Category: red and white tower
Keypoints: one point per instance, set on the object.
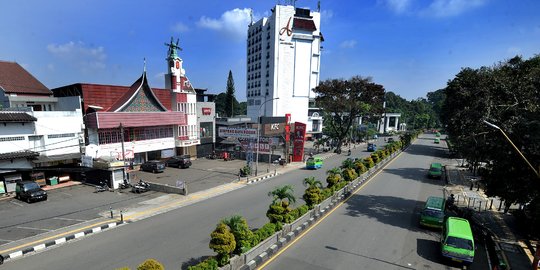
(184, 99)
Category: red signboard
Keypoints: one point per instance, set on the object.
(298, 142)
(206, 111)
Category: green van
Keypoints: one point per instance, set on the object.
(433, 213)
(457, 243)
(435, 170)
(314, 163)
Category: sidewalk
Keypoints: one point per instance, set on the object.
(488, 212)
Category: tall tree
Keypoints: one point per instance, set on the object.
(230, 100)
(343, 101)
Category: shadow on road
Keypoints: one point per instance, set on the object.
(368, 257)
(386, 209)
(439, 151)
(429, 250)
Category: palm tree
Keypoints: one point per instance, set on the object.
(310, 182)
(281, 193)
(334, 171)
(347, 164)
(240, 230)
(312, 195)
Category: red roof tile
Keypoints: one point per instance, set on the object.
(15, 79)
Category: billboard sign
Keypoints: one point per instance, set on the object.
(225, 132)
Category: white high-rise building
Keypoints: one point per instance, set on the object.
(283, 61)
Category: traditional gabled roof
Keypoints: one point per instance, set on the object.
(139, 98)
(15, 79)
(16, 117)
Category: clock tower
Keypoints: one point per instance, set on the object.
(183, 99)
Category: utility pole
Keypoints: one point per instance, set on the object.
(123, 151)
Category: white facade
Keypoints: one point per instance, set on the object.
(283, 61)
(56, 136)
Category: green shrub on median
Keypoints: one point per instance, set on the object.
(150, 264)
(208, 264)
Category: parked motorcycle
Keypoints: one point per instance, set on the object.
(141, 187)
(125, 184)
(101, 187)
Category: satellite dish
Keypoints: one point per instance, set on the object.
(93, 150)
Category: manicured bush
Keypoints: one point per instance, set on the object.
(312, 195)
(123, 268)
(265, 231)
(302, 210)
(360, 168)
(150, 264)
(223, 243)
(369, 163)
(375, 158)
(327, 192)
(208, 264)
(349, 174)
(276, 213)
(334, 176)
(279, 208)
(242, 234)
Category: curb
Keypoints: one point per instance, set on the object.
(58, 241)
(251, 181)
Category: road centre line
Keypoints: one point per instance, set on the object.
(325, 216)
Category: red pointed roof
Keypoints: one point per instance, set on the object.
(138, 88)
(17, 80)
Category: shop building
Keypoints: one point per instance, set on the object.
(39, 133)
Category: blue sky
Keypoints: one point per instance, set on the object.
(411, 47)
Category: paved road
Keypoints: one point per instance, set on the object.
(377, 228)
(180, 236)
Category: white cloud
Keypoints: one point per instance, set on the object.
(180, 28)
(348, 44)
(232, 23)
(79, 55)
(448, 8)
(397, 6)
(50, 67)
(327, 14)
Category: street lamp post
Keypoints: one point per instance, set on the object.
(536, 260)
(258, 135)
(515, 147)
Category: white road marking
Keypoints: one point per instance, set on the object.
(70, 219)
(14, 202)
(30, 228)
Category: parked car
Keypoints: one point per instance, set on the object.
(29, 191)
(183, 161)
(154, 166)
(371, 147)
(390, 140)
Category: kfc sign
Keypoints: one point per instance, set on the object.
(206, 111)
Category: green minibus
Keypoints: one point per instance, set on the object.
(457, 243)
(435, 170)
(433, 213)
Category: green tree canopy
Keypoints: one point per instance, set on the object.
(343, 101)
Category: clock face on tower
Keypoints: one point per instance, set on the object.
(177, 66)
